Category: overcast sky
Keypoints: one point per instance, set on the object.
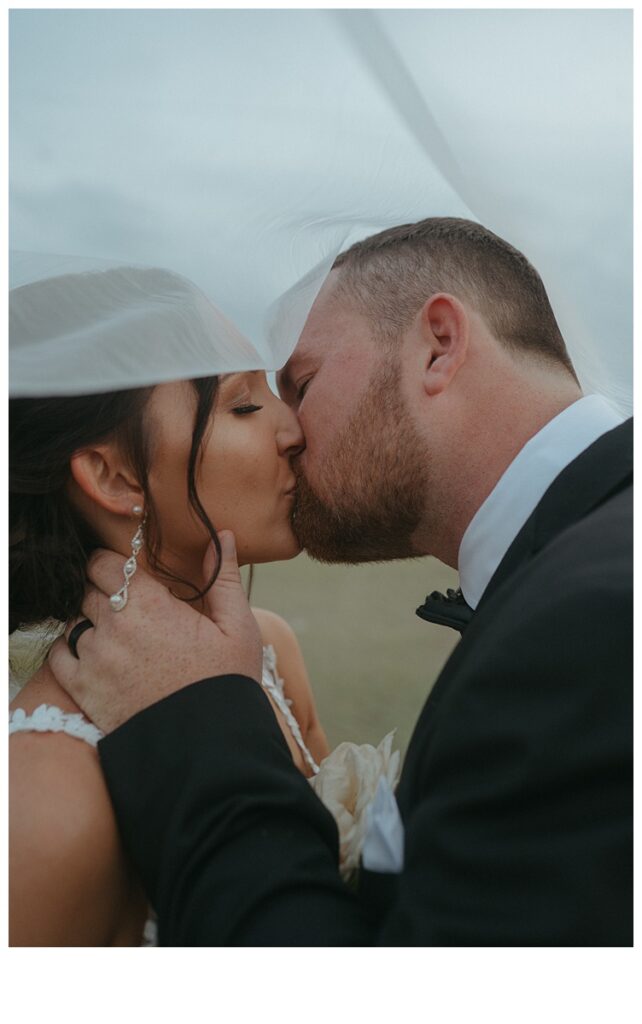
(237, 147)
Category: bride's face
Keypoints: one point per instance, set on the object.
(244, 479)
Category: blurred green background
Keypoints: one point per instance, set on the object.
(371, 660)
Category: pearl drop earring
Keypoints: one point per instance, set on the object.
(119, 599)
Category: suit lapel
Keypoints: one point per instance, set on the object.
(599, 472)
(595, 475)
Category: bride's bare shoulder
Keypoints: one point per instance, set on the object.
(278, 633)
(68, 877)
(273, 627)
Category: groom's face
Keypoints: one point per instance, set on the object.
(361, 477)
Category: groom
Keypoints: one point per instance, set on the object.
(442, 416)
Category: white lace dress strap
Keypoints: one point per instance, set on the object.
(49, 718)
(275, 687)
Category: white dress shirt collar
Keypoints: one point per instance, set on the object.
(497, 522)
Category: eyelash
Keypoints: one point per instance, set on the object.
(245, 410)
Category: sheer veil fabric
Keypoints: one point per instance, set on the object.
(245, 149)
(86, 327)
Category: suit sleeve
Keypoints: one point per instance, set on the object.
(232, 845)
(517, 809)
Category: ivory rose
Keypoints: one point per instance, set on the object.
(346, 783)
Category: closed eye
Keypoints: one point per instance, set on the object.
(245, 410)
(301, 388)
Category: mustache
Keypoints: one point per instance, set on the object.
(300, 479)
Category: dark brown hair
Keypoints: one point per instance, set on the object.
(391, 274)
(49, 542)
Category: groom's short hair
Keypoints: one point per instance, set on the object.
(392, 273)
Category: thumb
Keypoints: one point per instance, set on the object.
(225, 602)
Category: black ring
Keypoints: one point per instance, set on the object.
(76, 633)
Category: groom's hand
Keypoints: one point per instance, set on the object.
(156, 644)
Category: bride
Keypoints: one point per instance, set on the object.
(152, 472)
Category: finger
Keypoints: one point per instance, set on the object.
(105, 570)
(78, 630)
(210, 562)
(63, 665)
(95, 604)
(225, 601)
(229, 571)
(69, 625)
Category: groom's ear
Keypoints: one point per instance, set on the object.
(103, 476)
(445, 327)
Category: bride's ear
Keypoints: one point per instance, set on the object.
(103, 476)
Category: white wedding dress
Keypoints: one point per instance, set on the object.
(347, 781)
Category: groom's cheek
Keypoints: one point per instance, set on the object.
(322, 417)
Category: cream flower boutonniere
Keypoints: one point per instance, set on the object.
(346, 783)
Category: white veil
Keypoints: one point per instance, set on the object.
(83, 326)
(245, 149)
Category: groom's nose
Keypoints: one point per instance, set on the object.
(290, 438)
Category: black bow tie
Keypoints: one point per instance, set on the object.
(449, 609)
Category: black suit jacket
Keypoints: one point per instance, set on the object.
(516, 793)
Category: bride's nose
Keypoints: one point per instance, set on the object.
(290, 438)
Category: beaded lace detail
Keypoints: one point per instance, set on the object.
(48, 718)
(275, 687)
